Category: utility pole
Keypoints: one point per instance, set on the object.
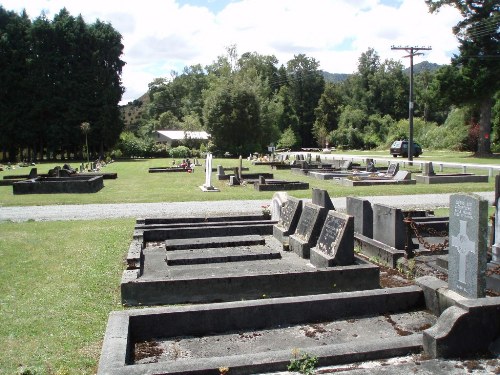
(412, 51)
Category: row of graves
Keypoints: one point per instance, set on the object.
(347, 173)
(246, 292)
(58, 180)
(261, 181)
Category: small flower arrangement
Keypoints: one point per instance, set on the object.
(266, 211)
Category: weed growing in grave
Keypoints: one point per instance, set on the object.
(304, 364)
(357, 249)
(375, 259)
(223, 370)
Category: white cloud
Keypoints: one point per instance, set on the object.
(160, 36)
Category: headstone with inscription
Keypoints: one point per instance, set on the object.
(388, 226)
(290, 214)
(467, 255)
(310, 223)
(335, 246)
(392, 169)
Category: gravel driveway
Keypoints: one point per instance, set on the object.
(187, 209)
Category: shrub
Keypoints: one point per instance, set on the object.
(180, 152)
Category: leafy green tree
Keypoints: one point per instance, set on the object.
(306, 85)
(288, 140)
(327, 113)
(475, 72)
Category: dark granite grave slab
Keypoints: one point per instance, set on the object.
(289, 219)
(204, 242)
(277, 185)
(58, 185)
(308, 229)
(221, 255)
(335, 246)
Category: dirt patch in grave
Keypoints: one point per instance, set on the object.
(149, 350)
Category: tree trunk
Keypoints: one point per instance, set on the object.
(484, 141)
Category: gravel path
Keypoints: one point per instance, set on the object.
(187, 209)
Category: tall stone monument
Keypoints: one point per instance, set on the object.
(207, 186)
(468, 234)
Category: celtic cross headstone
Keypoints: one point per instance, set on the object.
(468, 245)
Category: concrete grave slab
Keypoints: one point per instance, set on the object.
(204, 242)
(338, 328)
(221, 255)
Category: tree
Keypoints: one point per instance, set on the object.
(306, 85)
(476, 70)
(327, 113)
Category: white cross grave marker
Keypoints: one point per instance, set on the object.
(464, 246)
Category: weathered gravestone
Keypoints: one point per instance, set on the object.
(277, 204)
(287, 223)
(310, 223)
(361, 210)
(392, 169)
(495, 248)
(335, 246)
(428, 169)
(468, 245)
(388, 226)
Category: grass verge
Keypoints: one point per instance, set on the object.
(59, 282)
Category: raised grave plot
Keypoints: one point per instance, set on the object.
(261, 335)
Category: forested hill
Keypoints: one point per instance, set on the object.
(132, 111)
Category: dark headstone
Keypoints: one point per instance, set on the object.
(467, 255)
(362, 211)
(64, 173)
(308, 229)
(262, 180)
(233, 181)
(335, 246)
(287, 224)
(33, 173)
(321, 198)
(370, 166)
(392, 169)
(388, 226)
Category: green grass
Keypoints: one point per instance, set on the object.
(135, 185)
(59, 281)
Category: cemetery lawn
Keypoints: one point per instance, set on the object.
(59, 282)
(135, 185)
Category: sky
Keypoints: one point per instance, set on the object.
(161, 36)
